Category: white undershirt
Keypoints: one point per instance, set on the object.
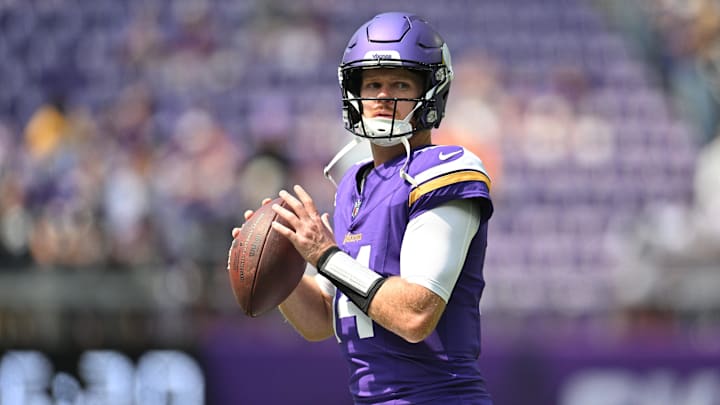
(434, 247)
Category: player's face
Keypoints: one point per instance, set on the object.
(389, 83)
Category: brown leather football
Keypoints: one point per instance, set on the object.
(263, 266)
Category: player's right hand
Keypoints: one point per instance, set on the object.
(307, 229)
(247, 214)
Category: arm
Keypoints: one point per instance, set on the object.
(406, 309)
(309, 309)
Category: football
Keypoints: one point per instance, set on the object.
(263, 266)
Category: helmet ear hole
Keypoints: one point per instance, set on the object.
(431, 116)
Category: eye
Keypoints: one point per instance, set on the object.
(403, 85)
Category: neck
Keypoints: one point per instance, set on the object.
(382, 154)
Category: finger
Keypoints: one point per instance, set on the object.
(248, 214)
(284, 231)
(286, 214)
(265, 201)
(306, 200)
(293, 203)
(326, 220)
(235, 232)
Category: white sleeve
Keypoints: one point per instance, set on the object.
(436, 243)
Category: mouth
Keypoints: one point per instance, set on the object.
(383, 115)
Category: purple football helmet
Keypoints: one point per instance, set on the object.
(396, 40)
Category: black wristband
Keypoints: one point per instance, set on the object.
(357, 282)
(325, 256)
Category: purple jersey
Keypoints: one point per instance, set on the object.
(370, 226)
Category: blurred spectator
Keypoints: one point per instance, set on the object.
(130, 120)
(593, 141)
(46, 129)
(546, 130)
(143, 39)
(132, 240)
(15, 220)
(194, 29)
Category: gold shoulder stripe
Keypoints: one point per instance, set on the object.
(451, 178)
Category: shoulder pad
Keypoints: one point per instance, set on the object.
(439, 161)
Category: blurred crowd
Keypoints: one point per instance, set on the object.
(119, 158)
(135, 133)
(674, 248)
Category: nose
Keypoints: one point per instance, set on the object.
(383, 92)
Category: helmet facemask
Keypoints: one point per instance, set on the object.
(383, 131)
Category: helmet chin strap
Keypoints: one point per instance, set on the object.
(405, 176)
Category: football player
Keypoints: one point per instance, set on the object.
(400, 275)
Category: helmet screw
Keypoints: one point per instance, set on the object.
(431, 116)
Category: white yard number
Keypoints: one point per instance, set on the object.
(346, 308)
(110, 378)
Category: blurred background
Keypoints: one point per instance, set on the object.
(135, 133)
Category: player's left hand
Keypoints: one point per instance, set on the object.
(311, 233)
(248, 213)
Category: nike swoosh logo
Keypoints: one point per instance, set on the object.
(446, 156)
